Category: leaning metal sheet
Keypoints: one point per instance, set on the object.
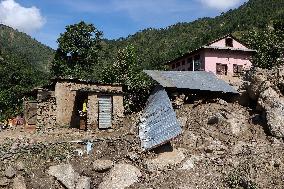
(158, 123)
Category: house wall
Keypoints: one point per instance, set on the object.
(187, 65)
(222, 43)
(226, 57)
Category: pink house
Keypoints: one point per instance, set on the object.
(224, 56)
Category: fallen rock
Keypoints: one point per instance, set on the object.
(273, 106)
(65, 174)
(10, 172)
(217, 118)
(19, 182)
(102, 165)
(84, 183)
(166, 159)
(4, 182)
(121, 176)
(216, 147)
(20, 166)
(190, 163)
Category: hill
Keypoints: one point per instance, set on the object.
(23, 46)
(155, 46)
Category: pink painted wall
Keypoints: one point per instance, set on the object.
(229, 58)
(222, 43)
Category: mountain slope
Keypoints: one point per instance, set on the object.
(24, 47)
(155, 46)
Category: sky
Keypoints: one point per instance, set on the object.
(44, 20)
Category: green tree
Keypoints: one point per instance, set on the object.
(126, 70)
(18, 77)
(269, 44)
(78, 51)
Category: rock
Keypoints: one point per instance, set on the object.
(84, 183)
(133, 156)
(190, 163)
(10, 172)
(121, 176)
(20, 166)
(216, 147)
(273, 106)
(217, 118)
(102, 165)
(65, 174)
(4, 182)
(223, 102)
(19, 182)
(166, 159)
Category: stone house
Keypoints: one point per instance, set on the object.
(61, 104)
(224, 56)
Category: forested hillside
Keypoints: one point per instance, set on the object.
(25, 48)
(155, 46)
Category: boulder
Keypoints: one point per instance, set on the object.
(10, 172)
(121, 176)
(65, 174)
(19, 182)
(189, 164)
(166, 159)
(84, 183)
(273, 105)
(4, 182)
(215, 119)
(102, 165)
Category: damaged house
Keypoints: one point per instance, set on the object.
(75, 103)
(158, 123)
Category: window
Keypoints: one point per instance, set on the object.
(229, 42)
(237, 69)
(221, 69)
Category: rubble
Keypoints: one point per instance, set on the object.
(10, 172)
(4, 182)
(84, 183)
(19, 182)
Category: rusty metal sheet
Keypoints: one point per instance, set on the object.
(158, 123)
(192, 80)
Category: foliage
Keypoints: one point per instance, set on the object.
(78, 50)
(25, 47)
(269, 44)
(18, 77)
(126, 70)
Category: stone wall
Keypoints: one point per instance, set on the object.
(46, 109)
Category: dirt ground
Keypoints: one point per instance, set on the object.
(223, 145)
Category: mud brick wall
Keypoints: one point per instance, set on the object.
(65, 94)
(46, 109)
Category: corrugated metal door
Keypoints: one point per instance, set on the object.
(105, 112)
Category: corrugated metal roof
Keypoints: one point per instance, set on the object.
(229, 48)
(197, 80)
(158, 123)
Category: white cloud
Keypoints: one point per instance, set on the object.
(221, 4)
(24, 19)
